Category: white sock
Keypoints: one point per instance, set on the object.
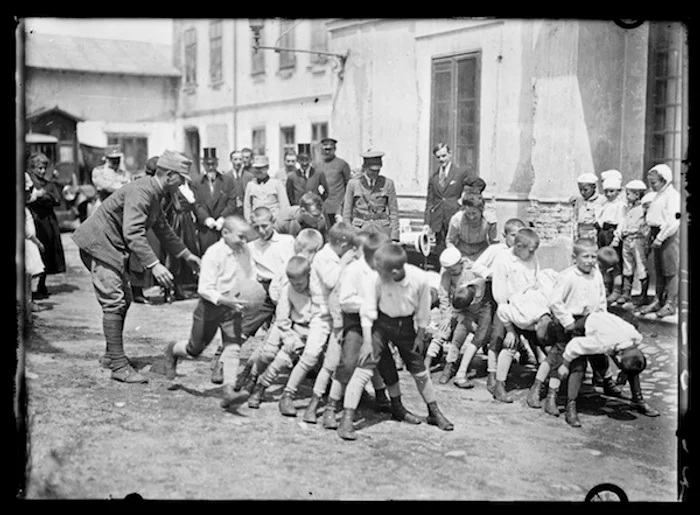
(180, 349)
(542, 372)
(492, 361)
(469, 351)
(230, 358)
(425, 386)
(337, 390)
(321, 383)
(353, 392)
(554, 383)
(505, 358)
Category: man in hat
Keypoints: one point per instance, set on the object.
(663, 218)
(110, 176)
(115, 230)
(305, 178)
(370, 200)
(291, 165)
(445, 187)
(264, 191)
(214, 200)
(241, 178)
(307, 215)
(337, 173)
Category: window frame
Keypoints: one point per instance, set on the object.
(453, 123)
(319, 130)
(255, 146)
(257, 59)
(129, 142)
(284, 146)
(318, 27)
(190, 49)
(287, 60)
(216, 61)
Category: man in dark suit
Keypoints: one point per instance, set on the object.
(241, 178)
(445, 187)
(306, 177)
(118, 228)
(215, 199)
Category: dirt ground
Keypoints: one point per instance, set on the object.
(94, 438)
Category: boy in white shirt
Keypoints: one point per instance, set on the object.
(225, 291)
(610, 217)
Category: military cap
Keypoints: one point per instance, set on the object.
(372, 157)
(329, 140)
(175, 162)
(261, 161)
(113, 151)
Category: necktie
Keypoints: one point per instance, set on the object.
(441, 178)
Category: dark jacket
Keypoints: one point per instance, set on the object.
(297, 185)
(220, 203)
(442, 203)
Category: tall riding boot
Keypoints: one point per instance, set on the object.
(436, 418)
(399, 412)
(286, 405)
(550, 403)
(626, 290)
(533, 396)
(346, 430)
(310, 413)
(329, 421)
(500, 393)
(571, 415)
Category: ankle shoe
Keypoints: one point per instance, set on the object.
(400, 413)
(436, 418)
(106, 362)
(610, 388)
(231, 397)
(286, 405)
(533, 396)
(170, 361)
(491, 382)
(256, 397)
(571, 416)
(550, 403)
(642, 407)
(448, 373)
(651, 308)
(345, 429)
(310, 413)
(666, 311)
(217, 373)
(329, 420)
(127, 374)
(382, 401)
(621, 378)
(243, 376)
(500, 394)
(463, 383)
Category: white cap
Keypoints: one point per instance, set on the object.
(612, 184)
(587, 178)
(450, 256)
(664, 172)
(611, 174)
(636, 184)
(648, 197)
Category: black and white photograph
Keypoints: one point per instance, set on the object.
(436, 259)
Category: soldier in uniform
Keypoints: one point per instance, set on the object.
(370, 199)
(111, 176)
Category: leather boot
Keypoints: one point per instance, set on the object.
(651, 308)
(491, 382)
(382, 401)
(243, 376)
(614, 294)
(610, 388)
(400, 413)
(256, 397)
(329, 421)
(626, 291)
(643, 296)
(346, 430)
(171, 361)
(310, 416)
(500, 393)
(448, 373)
(571, 415)
(533, 396)
(550, 403)
(286, 405)
(639, 404)
(621, 378)
(436, 418)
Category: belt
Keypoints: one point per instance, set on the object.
(398, 322)
(372, 217)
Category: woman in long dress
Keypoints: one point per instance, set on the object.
(45, 198)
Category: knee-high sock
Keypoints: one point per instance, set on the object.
(469, 351)
(425, 386)
(541, 356)
(453, 352)
(505, 358)
(554, 383)
(434, 348)
(180, 349)
(492, 361)
(299, 372)
(353, 392)
(377, 380)
(574, 384)
(337, 390)
(394, 390)
(281, 363)
(322, 380)
(230, 358)
(113, 327)
(542, 372)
